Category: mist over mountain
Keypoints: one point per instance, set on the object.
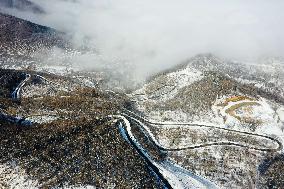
(128, 94)
(22, 5)
(153, 36)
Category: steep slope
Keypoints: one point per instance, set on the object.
(55, 131)
(63, 130)
(71, 141)
(207, 90)
(194, 87)
(25, 45)
(20, 40)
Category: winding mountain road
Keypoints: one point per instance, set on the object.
(171, 174)
(16, 95)
(180, 178)
(143, 121)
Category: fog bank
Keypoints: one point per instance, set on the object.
(153, 35)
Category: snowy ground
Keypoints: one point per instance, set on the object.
(258, 115)
(166, 87)
(14, 177)
(177, 176)
(238, 111)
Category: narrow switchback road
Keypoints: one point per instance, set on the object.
(143, 122)
(172, 175)
(16, 95)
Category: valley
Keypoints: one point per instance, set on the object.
(205, 123)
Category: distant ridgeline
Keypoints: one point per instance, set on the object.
(14, 29)
(20, 39)
(24, 5)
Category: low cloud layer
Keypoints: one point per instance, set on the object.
(153, 35)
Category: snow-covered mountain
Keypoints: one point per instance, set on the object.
(61, 149)
(196, 86)
(208, 90)
(206, 120)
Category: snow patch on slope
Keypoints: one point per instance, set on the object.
(185, 77)
(167, 86)
(262, 113)
(14, 177)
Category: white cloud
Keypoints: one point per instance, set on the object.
(154, 34)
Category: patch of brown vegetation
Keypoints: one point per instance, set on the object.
(81, 147)
(232, 112)
(234, 99)
(74, 152)
(202, 94)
